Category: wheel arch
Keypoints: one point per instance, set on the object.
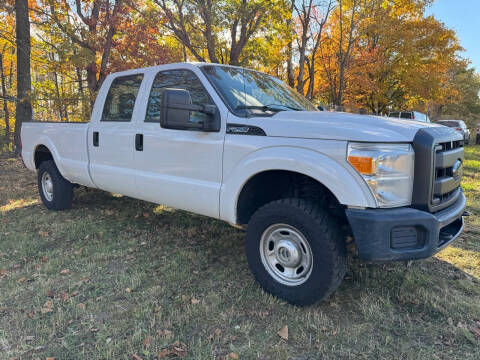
(327, 174)
(46, 150)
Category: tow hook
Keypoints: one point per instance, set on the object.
(466, 213)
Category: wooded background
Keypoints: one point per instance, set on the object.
(367, 56)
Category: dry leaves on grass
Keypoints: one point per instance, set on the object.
(195, 301)
(177, 349)
(233, 356)
(47, 307)
(65, 272)
(167, 334)
(283, 333)
(81, 307)
(147, 341)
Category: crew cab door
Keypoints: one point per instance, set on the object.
(111, 136)
(179, 168)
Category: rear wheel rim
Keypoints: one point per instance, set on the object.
(286, 254)
(47, 186)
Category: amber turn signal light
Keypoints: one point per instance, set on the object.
(364, 165)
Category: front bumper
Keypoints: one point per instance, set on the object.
(405, 233)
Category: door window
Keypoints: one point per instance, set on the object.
(177, 79)
(121, 97)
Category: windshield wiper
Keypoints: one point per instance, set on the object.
(269, 107)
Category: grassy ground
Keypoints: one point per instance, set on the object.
(119, 278)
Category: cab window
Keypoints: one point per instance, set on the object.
(121, 98)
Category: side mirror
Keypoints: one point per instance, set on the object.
(320, 108)
(175, 111)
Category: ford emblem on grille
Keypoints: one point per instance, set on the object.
(457, 170)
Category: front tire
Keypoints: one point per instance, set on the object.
(296, 250)
(55, 191)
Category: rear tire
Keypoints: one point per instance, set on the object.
(55, 191)
(296, 250)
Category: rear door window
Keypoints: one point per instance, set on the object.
(406, 115)
(121, 98)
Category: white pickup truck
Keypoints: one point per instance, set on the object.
(240, 146)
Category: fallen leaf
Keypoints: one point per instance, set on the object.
(184, 298)
(81, 306)
(218, 332)
(177, 349)
(233, 356)
(195, 301)
(44, 259)
(29, 338)
(65, 271)
(22, 279)
(43, 233)
(47, 307)
(147, 341)
(167, 334)
(49, 358)
(146, 215)
(476, 332)
(283, 333)
(128, 290)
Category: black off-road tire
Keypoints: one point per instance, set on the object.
(62, 188)
(324, 236)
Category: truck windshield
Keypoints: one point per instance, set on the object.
(249, 93)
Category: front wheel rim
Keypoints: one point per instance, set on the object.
(286, 254)
(47, 186)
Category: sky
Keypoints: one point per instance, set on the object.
(464, 17)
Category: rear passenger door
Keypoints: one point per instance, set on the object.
(179, 168)
(111, 138)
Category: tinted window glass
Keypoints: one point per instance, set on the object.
(449, 123)
(406, 115)
(121, 98)
(177, 79)
(394, 114)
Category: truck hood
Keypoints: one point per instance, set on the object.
(339, 126)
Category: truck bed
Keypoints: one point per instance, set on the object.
(67, 143)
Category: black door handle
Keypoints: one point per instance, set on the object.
(139, 142)
(95, 138)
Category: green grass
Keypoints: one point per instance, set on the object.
(116, 277)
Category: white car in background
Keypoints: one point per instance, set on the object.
(459, 126)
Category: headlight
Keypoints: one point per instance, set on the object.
(387, 169)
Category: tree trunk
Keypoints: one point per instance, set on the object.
(24, 82)
(5, 105)
(290, 74)
(311, 76)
